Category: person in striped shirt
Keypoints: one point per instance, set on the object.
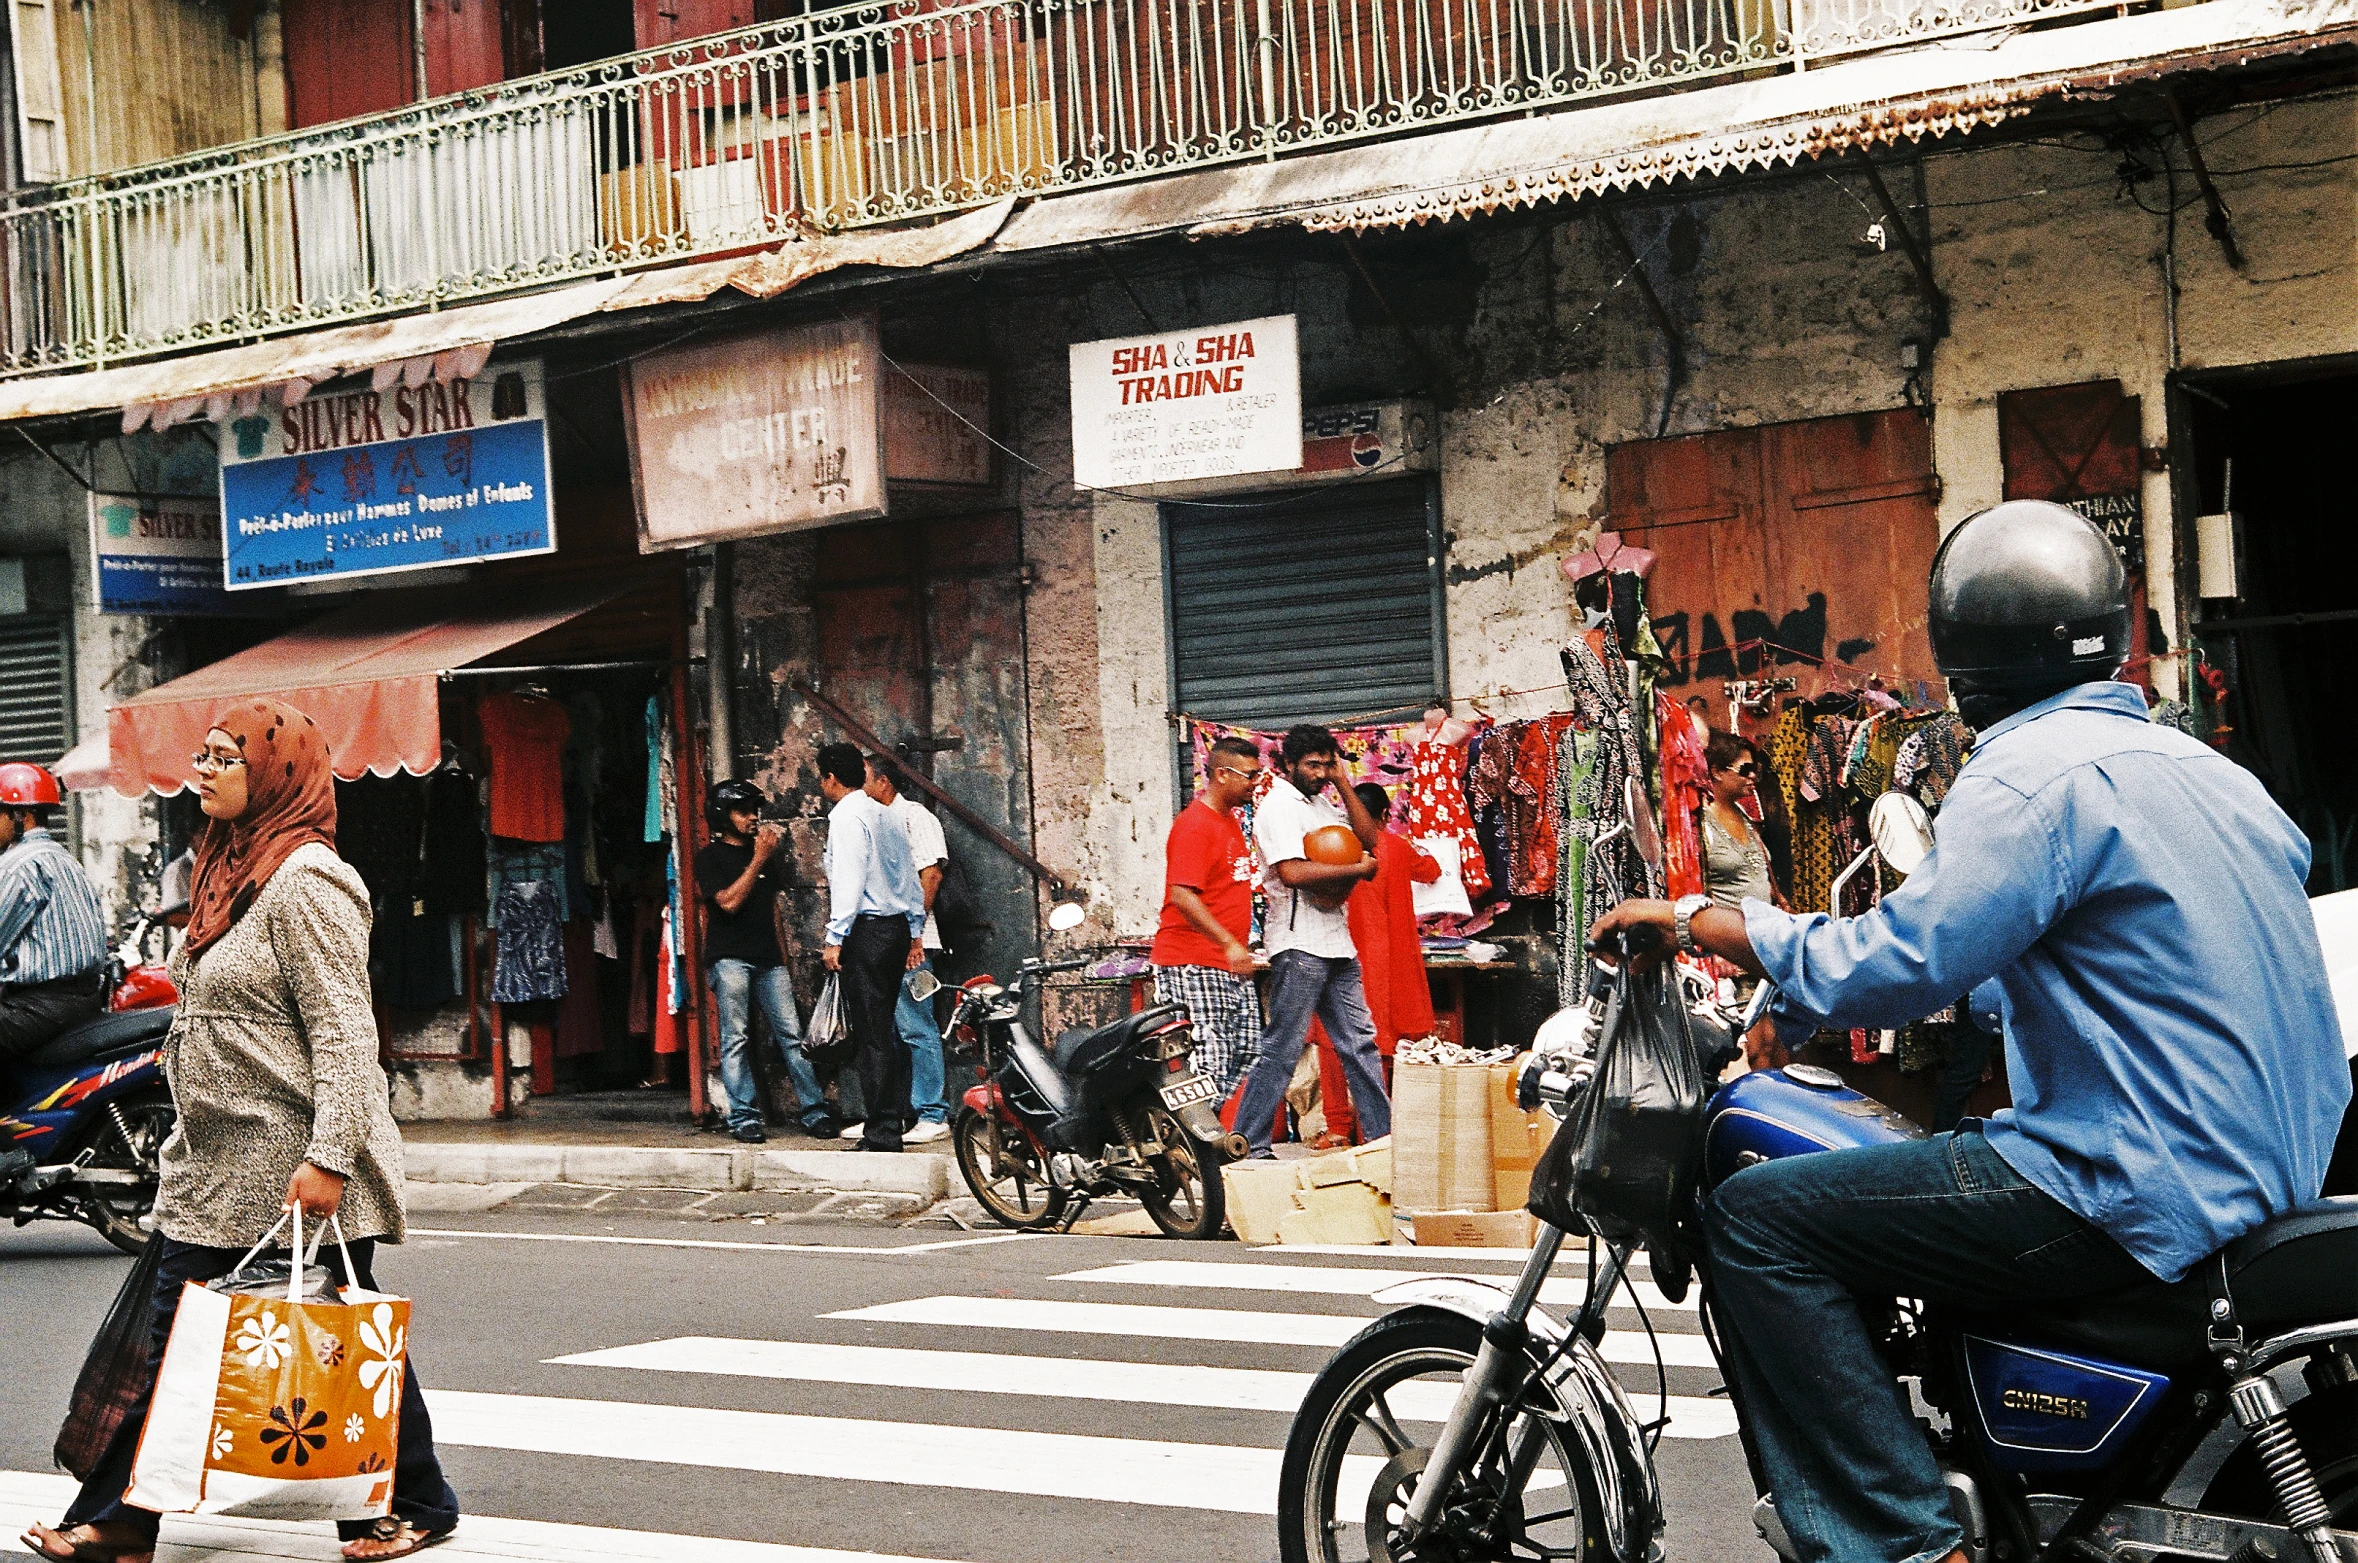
(52, 930)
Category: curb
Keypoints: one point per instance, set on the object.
(729, 1169)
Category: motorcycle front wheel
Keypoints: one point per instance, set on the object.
(124, 1214)
(1359, 1443)
(1188, 1199)
(1006, 1172)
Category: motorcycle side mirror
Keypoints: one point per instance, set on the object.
(1902, 832)
(1065, 916)
(922, 985)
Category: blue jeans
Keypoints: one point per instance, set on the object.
(927, 1072)
(1794, 1244)
(734, 984)
(1302, 985)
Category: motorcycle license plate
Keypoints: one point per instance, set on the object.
(1194, 1089)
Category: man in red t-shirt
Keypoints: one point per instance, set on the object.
(1200, 958)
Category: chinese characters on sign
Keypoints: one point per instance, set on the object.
(771, 432)
(937, 423)
(362, 482)
(157, 555)
(1208, 403)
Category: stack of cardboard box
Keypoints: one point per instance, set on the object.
(1341, 1197)
(1464, 1155)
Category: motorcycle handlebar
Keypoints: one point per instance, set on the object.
(1039, 968)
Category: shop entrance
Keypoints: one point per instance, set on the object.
(2268, 448)
(921, 641)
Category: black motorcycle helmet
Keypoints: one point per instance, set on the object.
(731, 795)
(2028, 599)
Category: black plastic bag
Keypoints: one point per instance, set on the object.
(1625, 1162)
(117, 1373)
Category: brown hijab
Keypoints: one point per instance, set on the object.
(290, 802)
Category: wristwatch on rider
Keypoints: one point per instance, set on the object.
(1682, 920)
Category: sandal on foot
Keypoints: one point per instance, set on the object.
(43, 1542)
(404, 1537)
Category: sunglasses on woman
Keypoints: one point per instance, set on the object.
(1746, 769)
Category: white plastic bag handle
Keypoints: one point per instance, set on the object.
(302, 1256)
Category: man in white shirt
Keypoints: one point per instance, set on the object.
(875, 936)
(920, 1028)
(1313, 966)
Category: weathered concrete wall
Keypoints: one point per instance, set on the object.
(1786, 311)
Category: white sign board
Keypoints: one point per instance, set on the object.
(1208, 403)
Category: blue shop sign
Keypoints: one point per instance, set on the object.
(407, 478)
(157, 554)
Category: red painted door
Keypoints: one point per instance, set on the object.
(664, 22)
(352, 57)
(1795, 550)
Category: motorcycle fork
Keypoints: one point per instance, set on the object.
(1497, 1373)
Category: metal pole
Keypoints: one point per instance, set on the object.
(417, 45)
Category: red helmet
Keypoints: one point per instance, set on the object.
(25, 786)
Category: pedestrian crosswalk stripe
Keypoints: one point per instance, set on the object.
(26, 1496)
(1141, 1471)
(1148, 1321)
(1329, 1280)
(989, 1373)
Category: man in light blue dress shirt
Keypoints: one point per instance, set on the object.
(875, 936)
(2136, 902)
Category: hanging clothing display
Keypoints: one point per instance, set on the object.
(414, 958)
(1434, 804)
(530, 862)
(1930, 758)
(378, 825)
(1686, 782)
(531, 943)
(524, 740)
(453, 861)
(581, 1028)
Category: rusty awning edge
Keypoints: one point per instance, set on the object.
(325, 354)
(1932, 90)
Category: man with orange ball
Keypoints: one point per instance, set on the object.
(1314, 854)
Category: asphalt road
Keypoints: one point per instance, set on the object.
(859, 1440)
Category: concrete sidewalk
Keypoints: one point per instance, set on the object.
(519, 1154)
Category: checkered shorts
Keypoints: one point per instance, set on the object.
(1227, 1013)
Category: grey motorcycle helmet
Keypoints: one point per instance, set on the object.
(2028, 599)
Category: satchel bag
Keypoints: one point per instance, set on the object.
(274, 1406)
(1626, 1160)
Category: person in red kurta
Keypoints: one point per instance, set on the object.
(1382, 911)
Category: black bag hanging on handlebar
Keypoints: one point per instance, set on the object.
(1626, 1160)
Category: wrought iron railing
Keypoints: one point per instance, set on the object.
(870, 114)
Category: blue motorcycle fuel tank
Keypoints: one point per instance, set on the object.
(1790, 1112)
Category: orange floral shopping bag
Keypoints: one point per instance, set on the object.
(276, 1406)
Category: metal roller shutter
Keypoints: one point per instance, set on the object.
(35, 721)
(1310, 606)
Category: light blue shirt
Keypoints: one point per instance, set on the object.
(2171, 1042)
(870, 872)
(51, 925)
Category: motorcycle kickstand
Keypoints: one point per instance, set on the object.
(1073, 1211)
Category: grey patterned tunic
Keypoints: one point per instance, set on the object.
(273, 1062)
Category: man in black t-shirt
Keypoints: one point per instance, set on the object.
(740, 877)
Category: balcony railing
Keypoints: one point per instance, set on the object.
(868, 115)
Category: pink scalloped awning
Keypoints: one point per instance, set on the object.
(367, 673)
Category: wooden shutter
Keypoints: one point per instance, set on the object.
(40, 99)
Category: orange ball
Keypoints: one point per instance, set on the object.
(1335, 844)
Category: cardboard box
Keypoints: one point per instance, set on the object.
(1476, 1229)
(1516, 1139)
(1441, 1138)
(1260, 1195)
(1339, 1213)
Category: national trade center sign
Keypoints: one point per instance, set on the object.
(1210, 403)
(364, 482)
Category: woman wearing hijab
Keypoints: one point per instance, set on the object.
(273, 1066)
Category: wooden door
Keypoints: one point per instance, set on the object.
(350, 57)
(1796, 550)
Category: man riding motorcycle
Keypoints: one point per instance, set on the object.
(52, 930)
(2136, 902)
